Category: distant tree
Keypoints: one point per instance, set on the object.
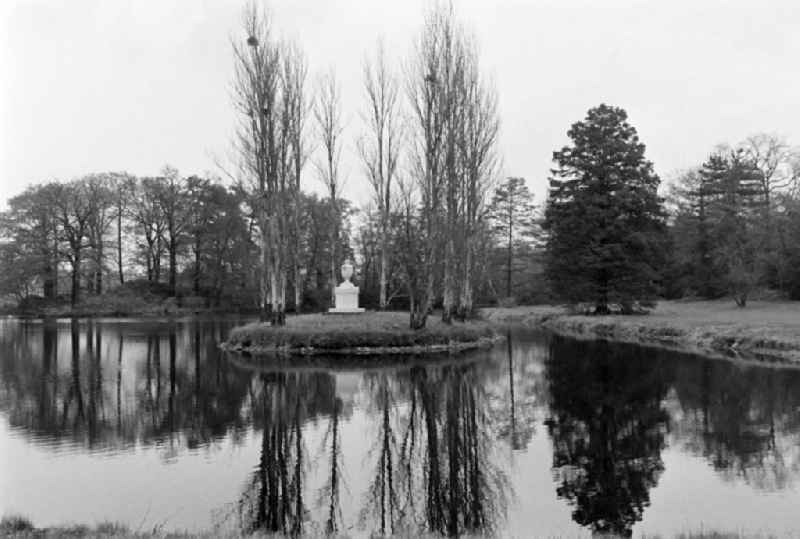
(691, 264)
(176, 199)
(74, 210)
(604, 218)
(772, 160)
(380, 150)
(731, 183)
(32, 225)
(100, 193)
(123, 186)
(513, 218)
(328, 117)
(149, 222)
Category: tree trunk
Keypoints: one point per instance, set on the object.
(98, 270)
(119, 247)
(196, 286)
(172, 260)
(510, 254)
(264, 281)
(298, 289)
(76, 280)
(334, 238)
(383, 278)
(465, 302)
(448, 299)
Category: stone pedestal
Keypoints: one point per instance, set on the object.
(346, 294)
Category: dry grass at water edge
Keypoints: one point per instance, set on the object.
(769, 329)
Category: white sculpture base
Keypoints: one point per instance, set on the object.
(346, 299)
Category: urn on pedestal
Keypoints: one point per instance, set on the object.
(346, 293)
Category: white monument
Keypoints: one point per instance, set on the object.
(346, 293)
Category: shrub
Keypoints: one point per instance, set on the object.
(11, 524)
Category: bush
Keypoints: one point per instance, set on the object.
(11, 524)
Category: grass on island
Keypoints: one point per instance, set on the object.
(764, 328)
(374, 330)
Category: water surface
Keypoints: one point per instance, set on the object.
(148, 424)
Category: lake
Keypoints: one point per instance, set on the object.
(147, 423)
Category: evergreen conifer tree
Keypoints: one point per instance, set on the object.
(604, 218)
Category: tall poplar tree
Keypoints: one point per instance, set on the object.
(604, 218)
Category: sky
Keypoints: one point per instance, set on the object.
(132, 85)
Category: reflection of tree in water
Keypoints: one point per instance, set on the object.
(64, 382)
(381, 499)
(446, 429)
(608, 427)
(744, 420)
(281, 404)
(515, 412)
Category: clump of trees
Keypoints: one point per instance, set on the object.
(736, 221)
(168, 235)
(430, 219)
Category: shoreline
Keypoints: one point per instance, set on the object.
(368, 334)
(762, 332)
(452, 347)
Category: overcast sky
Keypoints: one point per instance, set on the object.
(99, 85)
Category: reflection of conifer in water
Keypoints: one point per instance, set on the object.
(608, 428)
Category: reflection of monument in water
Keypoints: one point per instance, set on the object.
(346, 293)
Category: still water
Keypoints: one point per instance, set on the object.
(148, 424)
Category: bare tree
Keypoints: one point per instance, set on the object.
(424, 89)
(328, 118)
(74, 210)
(148, 218)
(295, 72)
(101, 198)
(453, 158)
(176, 202)
(380, 148)
(264, 97)
(479, 165)
(773, 157)
(123, 186)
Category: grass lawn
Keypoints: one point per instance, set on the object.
(370, 332)
(763, 328)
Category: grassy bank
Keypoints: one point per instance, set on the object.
(15, 526)
(762, 330)
(368, 333)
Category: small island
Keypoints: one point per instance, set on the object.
(377, 333)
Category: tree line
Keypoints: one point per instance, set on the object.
(725, 228)
(440, 231)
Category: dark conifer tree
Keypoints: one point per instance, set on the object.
(512, 213)
(730, 183)
(604, 218)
